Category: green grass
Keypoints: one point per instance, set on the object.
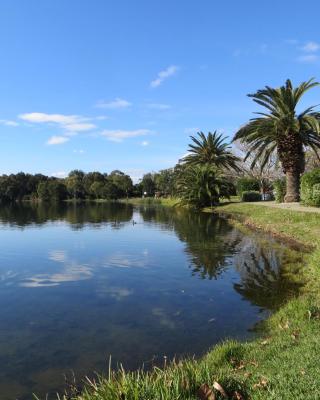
(169, 201)
(283, 363)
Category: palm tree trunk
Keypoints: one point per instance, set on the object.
(293, 186)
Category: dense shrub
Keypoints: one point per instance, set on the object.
(251, 196)
(279, 187)
(308, 180)
(247, 185)
(316, 194)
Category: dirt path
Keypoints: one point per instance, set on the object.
(288, 206)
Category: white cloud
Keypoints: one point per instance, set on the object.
(37, 117)
(80, 127)
(70, 123)
(145, 143)
(119, 135)
(59, 174)
(118, 103)
(102, 117)
(159, 106)
(309, 58)
(8, 122)
(79, 151)
(136, 174)
(57, 140)
(163, 75)
(311, 47)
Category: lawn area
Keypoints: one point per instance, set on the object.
(283, 363)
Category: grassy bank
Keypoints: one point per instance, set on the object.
(170, 201)
(282, 364)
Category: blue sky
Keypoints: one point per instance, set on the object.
(121, 84)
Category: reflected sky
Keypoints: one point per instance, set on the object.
(81, 283)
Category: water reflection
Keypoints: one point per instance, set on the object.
(79, 283)
(77, 215)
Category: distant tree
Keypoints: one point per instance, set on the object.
(43, 191)
(164, 181)
(52, 190)
(122, 181)
(148, 184)
(89, 179)
(75, 184)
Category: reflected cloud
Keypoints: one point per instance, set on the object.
(72, 273)
(117, 293)
(163, 317)
(58, 256)
(128, 261)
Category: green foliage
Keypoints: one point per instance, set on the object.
(280, 131)
(268, 133)
(148, 184)
(308, 180)
(52, 190)
(78, 185)
(247, 184)
(213, 150)
(316, 194)
(164, 181)
(279, 186)
(250, 196)
(199, 186)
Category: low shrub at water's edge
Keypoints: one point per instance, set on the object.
(247, 185)
(308, 181)
(316, 194)
(250, 196)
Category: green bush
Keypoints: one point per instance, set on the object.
(316, 194)
(279, 187)
(251, 196)
(308, 180)
(247, 185)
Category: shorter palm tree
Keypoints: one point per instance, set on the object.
(212, 150)
(202, 185)
(282, 132)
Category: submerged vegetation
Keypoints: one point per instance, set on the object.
(282, 363)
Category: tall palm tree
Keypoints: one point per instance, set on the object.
(212, 150)
(281, 131)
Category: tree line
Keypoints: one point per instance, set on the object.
(275, 144)
(78, 185)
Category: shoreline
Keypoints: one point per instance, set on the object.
(280, 363)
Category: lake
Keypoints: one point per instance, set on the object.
(82, 282)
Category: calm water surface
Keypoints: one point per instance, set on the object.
(80, 283)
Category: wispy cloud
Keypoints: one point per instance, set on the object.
(70, 123)
(163, 75)
(145, 143)
(57, 140)
(79, 151)
(159, 106)
(308, 58)
(120, 135)
(59, 174)
(8, 122)
(117, 103)
(310, 47)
